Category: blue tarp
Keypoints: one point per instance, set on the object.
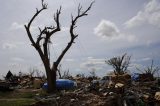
(62, 84)
(135, 76)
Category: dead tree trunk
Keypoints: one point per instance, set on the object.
(45, 36)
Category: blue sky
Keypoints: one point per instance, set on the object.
(112, 28)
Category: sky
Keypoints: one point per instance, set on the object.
(112, 28)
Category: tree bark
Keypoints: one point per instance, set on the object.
(51, 81)
(51, 78)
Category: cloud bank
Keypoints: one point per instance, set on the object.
(150, 14)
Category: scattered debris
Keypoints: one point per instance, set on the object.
(111, 90)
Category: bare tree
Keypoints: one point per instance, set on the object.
(120, 63)
(45, 37)
(66, 74)
(149, 69)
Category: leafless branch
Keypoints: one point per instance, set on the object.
(56, 18)
(27, 27)
(73, 36)
(50, 31)
(40, 36)
(74, 20)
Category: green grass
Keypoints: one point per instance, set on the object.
(17, 98)
(16, 94)
(18, 102)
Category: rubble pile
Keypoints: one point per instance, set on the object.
(100, 93)
(30, 82)
(112, 90)
(21, 82)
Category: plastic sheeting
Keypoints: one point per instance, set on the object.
(62, 84)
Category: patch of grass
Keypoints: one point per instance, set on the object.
(5, 94)
(18, 102)
(19, 97)
(15, 94)
(43, 93)
(25, 95)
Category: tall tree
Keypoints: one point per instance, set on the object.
(45, 37)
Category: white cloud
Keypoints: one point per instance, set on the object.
(110, 32)
(14, 65)
(146, 59)
(17, 59)
(69, 60)
(9, 46)
(142, 59)
(92, 63)
(90, 57)
(16, 26)
(136, 20)
(150, 14)
(106, 28)
(65, 29)
(123, 39)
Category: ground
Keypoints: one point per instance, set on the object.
(19, 97)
